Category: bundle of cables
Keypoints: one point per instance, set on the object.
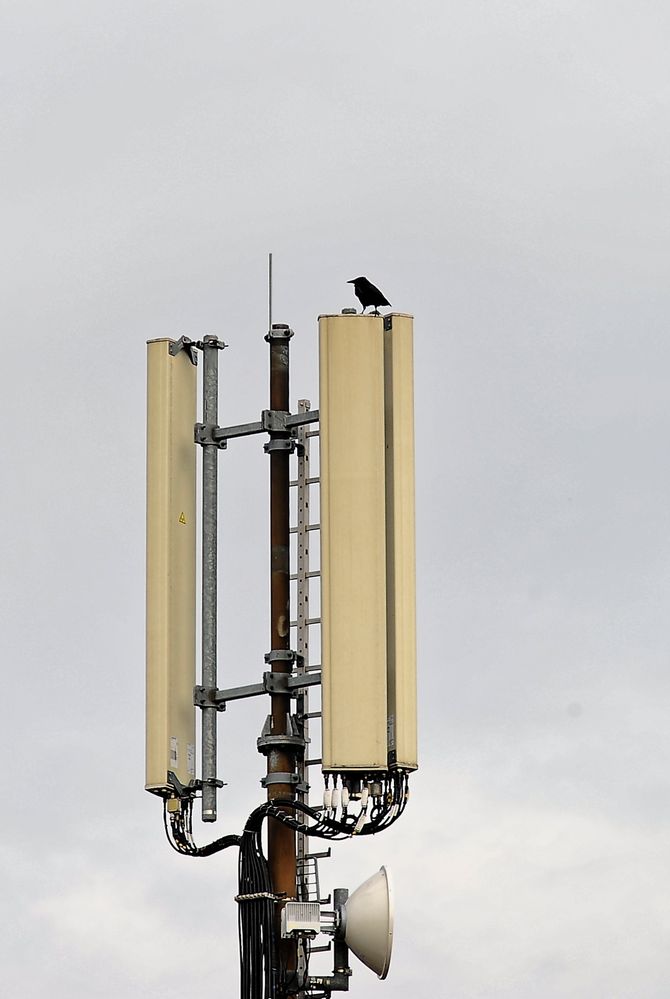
(260, 975)
(375, 814)
(178, 826)
(258, 967)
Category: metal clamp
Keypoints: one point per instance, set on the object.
(185, 343)
(204, 435)
(279, 778)
(281, 655)
(289, 683)
(274, 420)
(279, 331)
(210, 782)
(276, 683)
(279, 444)
(206, 697)
(254, 895)
(291, 739)
(211, 341)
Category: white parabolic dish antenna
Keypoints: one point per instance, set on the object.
(368, 922)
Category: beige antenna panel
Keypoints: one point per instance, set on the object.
(368, 629)
(353, 543)
(171, 467)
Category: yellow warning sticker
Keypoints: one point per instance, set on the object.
(182, 518)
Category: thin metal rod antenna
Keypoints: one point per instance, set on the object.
(269, 291)
(211, 346)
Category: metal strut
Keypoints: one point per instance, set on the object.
(210, 348)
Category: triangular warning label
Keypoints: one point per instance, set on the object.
(182, 518)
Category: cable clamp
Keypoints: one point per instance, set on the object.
(254, 895)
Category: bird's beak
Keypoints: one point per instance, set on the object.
(353, 281)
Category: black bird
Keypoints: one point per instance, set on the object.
(367, 294)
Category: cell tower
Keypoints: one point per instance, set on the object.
(364, 430)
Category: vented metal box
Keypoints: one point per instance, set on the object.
(302, 918)
(171, 547)
(367, 543)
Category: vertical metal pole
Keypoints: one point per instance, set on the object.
(211, 346)
(280, 758)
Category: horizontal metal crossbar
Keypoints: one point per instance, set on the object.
(308, 527)
(270, 420)
(300, 419)
(272, 683)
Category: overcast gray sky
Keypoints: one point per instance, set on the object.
(501, 171)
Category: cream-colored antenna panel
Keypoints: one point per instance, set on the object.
(171, 466)
(353, 543)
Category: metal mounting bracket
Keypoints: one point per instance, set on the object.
(288, 683)
(271, 421)
(281, 655)
(279, 778)
(279, 331)
(293, 738)
(209, 782)
(206, 437)
(208, 697)
(279, 444)
(274, 420)
(185, 343)
(211, 341)
(273, 683)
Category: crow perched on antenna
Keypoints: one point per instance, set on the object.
(367, 294)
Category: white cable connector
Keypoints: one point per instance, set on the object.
(328, 799)
(360, 823)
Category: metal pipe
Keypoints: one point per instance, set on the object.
(211, 346)
(281, 758)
